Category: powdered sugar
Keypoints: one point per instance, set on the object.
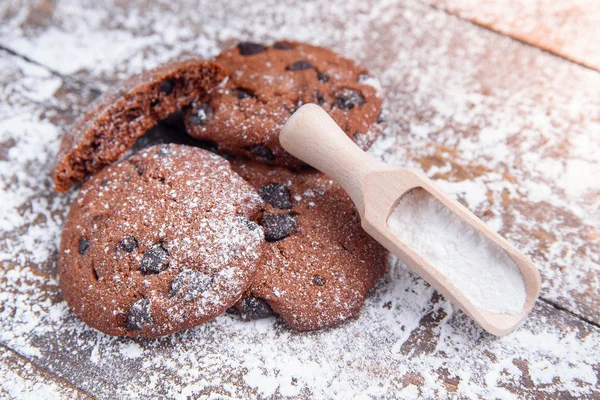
(480, 269)
(566, 28)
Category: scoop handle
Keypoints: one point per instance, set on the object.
(313, 136)
(375, 188)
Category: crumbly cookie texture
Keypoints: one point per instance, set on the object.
(268, 83)
(112, 124)
(319, 264)
(160, 242)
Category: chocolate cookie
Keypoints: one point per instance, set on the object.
(319, 264)
(267, 84)
(159, 242)
(111, 124)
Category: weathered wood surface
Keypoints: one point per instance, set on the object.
(21, 379)
(568, 28)
(514, 131)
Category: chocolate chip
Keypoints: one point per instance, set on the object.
(262, 152)
(276, 195)
(167, 87)
(139, 315)
(299, 65)
(255, 308)
(388, 305)
(190, 284)
(129, 244)
(155, 259)
(362, 77)
(249, 48)
(250, 224)
(84, 245)
(164, 151)
(104, 182)
(232, 310)
(320, 97)
(322, 77)
(242, 94)
(380, 118)
(348, 99)
(318, 280)
(282, 46)
(277, 226)
(202, 114)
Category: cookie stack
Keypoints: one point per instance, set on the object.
(174, 235)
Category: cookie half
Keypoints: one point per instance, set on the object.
(319, 264)
(162, 241)
(111, 124)
(267, 84)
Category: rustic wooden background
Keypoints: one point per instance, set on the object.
(512, 130)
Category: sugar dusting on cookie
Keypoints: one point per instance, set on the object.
(408, 340)
(159, 242)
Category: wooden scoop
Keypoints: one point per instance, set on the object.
(376, 188)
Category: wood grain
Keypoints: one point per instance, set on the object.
(21, 378)
(567, 28)
(500, 124)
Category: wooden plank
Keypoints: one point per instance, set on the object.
(21, 379)
(567, 28)
(407, 341)
(443, 89)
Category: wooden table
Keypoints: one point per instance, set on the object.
(511, 130)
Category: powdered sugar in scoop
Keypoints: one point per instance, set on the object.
(479, 268)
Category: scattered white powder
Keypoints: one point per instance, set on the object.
(479, 268)
(443, 77)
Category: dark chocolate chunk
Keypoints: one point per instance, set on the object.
(139, 315)
(84, 245)
(277, 226)
(388, 305)
(348, 99)
(282, 46)
(320, 97)
(362, 77)
(322, 77)
(263, 152)
(164, 151)
(167, 87)
(255, 308)
(129, 244)
(190, 284)
(202, 114)
(242, 94)
(250, 224)
(276, 195)
(155, 259)
(318, 280)
(299, 66)
(250, 48)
